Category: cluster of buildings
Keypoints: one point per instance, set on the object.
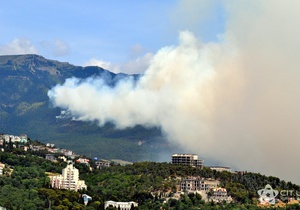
(198, 184)
(11, 141)
(69, 179)
(22, 141)
(203, 186)
(6, 138)
(51, 150)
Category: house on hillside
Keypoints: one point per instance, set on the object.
(120, 205)
(220, 168)
(192, 184)
(102, 163)
(50, 145)
(63, 158)
(83, 161)
(50, 157)
(219, 195)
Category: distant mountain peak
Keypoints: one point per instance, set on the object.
(37, 64)
(31, 62)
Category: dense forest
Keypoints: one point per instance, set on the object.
(25, 185)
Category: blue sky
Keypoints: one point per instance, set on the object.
(123, 33)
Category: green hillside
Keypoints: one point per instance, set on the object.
(24, 185)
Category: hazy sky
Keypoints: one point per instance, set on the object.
(121, 35)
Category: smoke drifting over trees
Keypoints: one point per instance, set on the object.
(236, 99)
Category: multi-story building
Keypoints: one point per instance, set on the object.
(190, 184)
(69, 179)
(187, 160)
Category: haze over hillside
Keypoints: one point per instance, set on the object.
(25, 108)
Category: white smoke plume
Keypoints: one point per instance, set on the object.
(235, 100)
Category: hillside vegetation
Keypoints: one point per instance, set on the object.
(25, 185)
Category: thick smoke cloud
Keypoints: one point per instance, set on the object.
(235, 100)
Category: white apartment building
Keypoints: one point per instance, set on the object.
(69, 179)
(187, 160)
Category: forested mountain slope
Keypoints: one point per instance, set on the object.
(25, 108)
